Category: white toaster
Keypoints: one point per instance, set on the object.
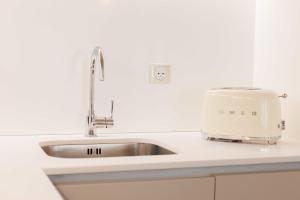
(250, 115)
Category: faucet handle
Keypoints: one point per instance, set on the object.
(112, 109)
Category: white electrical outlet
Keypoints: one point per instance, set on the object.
(160, 73)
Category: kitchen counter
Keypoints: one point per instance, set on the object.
(25, 167)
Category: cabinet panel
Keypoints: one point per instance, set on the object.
(259, 186)
(172, 189)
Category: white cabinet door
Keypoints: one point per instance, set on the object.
(259, 186)
(171, 189)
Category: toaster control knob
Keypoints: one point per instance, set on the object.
(282, 125)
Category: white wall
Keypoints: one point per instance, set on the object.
(45, 51)
(277, 55)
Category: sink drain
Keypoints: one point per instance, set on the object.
(94, 151)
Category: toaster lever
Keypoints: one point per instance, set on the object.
(284, 95)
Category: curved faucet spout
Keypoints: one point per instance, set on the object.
(97, 57)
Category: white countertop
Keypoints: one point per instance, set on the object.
(24, 166)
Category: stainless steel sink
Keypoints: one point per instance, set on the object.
(104, 150)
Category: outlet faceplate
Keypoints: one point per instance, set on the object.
(160, 73)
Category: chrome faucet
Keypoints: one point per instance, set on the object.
(94, 121)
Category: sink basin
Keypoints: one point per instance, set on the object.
(104, 150)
